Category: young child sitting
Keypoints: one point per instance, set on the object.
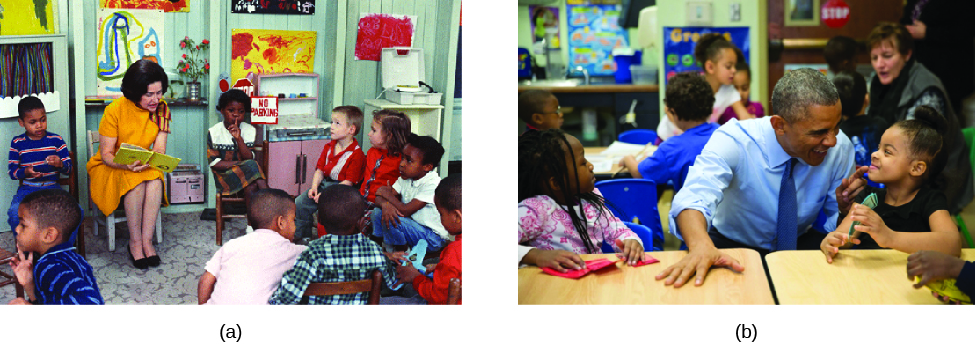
(344, 254)
(860, 128)
(689, 100)
(540, 110)
(560, 213)
(61, 276)
(910, 216)
(743, 79)
(37, 157)
(388, 134)
(341, 162)
(840, 53)
(229, 148)
(248, 269)
(405, 212)
(434, 291)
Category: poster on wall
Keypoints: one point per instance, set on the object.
(270, 52)
(801, 13)
(28, 17)
(679, 43)
(164, 5)
(594, 32)
(125, 36)
(549, 19)
(273, 6)
(381, 30)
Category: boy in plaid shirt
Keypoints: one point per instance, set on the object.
(341, 255)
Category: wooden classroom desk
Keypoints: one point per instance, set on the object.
(861, 277)
(628, 285)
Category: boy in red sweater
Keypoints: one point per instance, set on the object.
(447, 199)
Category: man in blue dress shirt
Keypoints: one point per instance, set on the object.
(731, 196)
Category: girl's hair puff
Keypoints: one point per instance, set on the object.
(709, 47)
(542, 156)
(396, 126)
(924, 135)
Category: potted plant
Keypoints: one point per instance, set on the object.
(193, 66)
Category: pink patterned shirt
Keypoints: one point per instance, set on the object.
(544, 224)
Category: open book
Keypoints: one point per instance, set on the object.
(128, 153)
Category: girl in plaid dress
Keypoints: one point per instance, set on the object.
(229, 146)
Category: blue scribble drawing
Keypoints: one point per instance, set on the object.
(123, 39)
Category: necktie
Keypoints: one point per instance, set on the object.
(786, 228)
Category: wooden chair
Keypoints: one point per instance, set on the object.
(71, 181)
(372, 285)
(5, 279)
(237, 198)
(453, 292)
(119, 214)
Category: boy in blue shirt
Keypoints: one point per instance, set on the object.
(60, 276)
(38, 157)
(689, 102)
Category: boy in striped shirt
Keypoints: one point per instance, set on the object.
(61, 276)
(38, 157)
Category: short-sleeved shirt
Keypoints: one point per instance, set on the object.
(345, 165)
(727, 96)
(381, 169)
(912, 216)
(423, 189)
(675, 156)
(221, 145)
(249, 268)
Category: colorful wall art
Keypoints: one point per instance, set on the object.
(271, 51)
(125, 36)
(164, 5)
(273, 6)
(380, 30)
(28, 17)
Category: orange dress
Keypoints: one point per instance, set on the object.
(130, 124)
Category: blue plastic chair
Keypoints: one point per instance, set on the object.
(634, 200)
(638, 136)
(646, 235)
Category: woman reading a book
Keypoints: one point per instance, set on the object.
(140, 118)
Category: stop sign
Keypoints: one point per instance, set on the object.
(835, 13)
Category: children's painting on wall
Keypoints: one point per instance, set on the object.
(271, 51)
(164, 5)
(28, 17)
(380, 30)
(123, 38)
(273, 6)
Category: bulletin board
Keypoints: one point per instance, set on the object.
(679, 43)
(594, 32)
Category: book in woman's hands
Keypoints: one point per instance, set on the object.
(128, 153)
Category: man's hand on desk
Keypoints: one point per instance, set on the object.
(698, 262)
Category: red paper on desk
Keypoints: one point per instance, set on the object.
(591, 265)
(647, 260)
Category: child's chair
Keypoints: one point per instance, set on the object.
(373, 285)
(71, 181)
(453, 292)
(655, 238)
(634, 200)
(969, 134)
(638, 136)
(5, 278)
(237, 198)
(119, 214)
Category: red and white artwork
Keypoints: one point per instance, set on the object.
(380, 30)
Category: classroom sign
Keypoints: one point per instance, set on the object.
(273, 6)
(264, 110)
(679, 43)
(594, 32)
(126, 36)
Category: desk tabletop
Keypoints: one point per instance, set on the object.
(628, 285)
(864, 277)
(607, 163)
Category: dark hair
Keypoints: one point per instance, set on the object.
(742, 66)
(448, 195)
(432, 150)
(54, 208)
(924, 133)
(29, 103)
(709, 47)
(139, 76)
(542, 155)
(397, 127)
(353, 114)
(339, 208)
(235, 95)
(690, 96)
(267, 204)
(852, 87)
(531, 102)
(896, 33)
(838, 50)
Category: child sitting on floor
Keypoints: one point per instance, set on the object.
(909, 216)
(344, 254)
(248, 269)
(229, 149)
(61, 276)
(540, 110)
(560, 213)
(434, 291)
(689, 100)
(405, 212)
